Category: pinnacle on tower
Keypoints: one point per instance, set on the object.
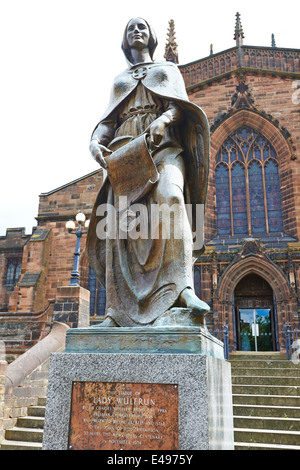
(273, 43)
(171, 52)
(238, 32)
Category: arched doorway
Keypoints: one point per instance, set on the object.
(256, 325)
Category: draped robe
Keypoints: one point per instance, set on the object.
(144, 277)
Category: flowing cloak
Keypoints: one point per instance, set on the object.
(164, 80)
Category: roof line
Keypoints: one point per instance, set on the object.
(236, 47)
(70, 183)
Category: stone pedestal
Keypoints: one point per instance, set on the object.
(139, 388)
(72, 306)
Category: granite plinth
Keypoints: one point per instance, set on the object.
(203, 381)
(204, 388)
(170, 339)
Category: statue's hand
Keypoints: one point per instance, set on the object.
(157, 129)
(97, 151)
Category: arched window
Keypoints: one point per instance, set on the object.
(13, 271)
(247, 185)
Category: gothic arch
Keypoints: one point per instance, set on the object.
(247, 117)
(259, 123)
(260, 265)
(257, 265)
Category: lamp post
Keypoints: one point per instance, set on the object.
(71, 227)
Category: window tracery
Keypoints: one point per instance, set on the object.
(247, 185)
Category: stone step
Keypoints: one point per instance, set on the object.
(40, 375)
(266, 390)
(264, 436)
(30, 391)
(37, 385)
(266, 402)
(265, 380)
(28, 432)
(269, 371)
(24, 434)
(257, 446)
(35, 422)
(264, 364)
(266, 422)
(259, 356)
(36, 411)
(266, 411)
(42, 401)
(19, 445)
(272, 400)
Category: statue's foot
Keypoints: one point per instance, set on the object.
(108, 322)
(199, 308)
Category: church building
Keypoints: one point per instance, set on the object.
(249, 273)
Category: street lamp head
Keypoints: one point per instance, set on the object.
(80, 217)
(87, 223)
(70, 225)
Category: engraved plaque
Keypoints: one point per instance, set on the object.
(127, 416)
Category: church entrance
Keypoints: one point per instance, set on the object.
(256, 328)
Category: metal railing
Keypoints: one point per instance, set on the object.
(222, 335)
(292, 342)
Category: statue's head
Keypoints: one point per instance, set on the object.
(138, 34)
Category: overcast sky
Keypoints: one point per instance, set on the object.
(58, 60)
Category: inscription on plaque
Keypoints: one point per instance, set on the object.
(127, 416)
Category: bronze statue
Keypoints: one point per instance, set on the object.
(154, 144)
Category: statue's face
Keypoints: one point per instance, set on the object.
(138, 33)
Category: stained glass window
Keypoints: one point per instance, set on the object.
(92, 287)
(10, 273)
(223, 200)
(239, 203)
(197, 281)
(13, 271)
(273, 197)
(257, 205)
(247, 185)
(97, 295)
(101, 300)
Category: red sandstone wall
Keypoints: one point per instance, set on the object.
(54, 210)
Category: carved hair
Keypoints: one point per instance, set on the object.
(151, 45)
